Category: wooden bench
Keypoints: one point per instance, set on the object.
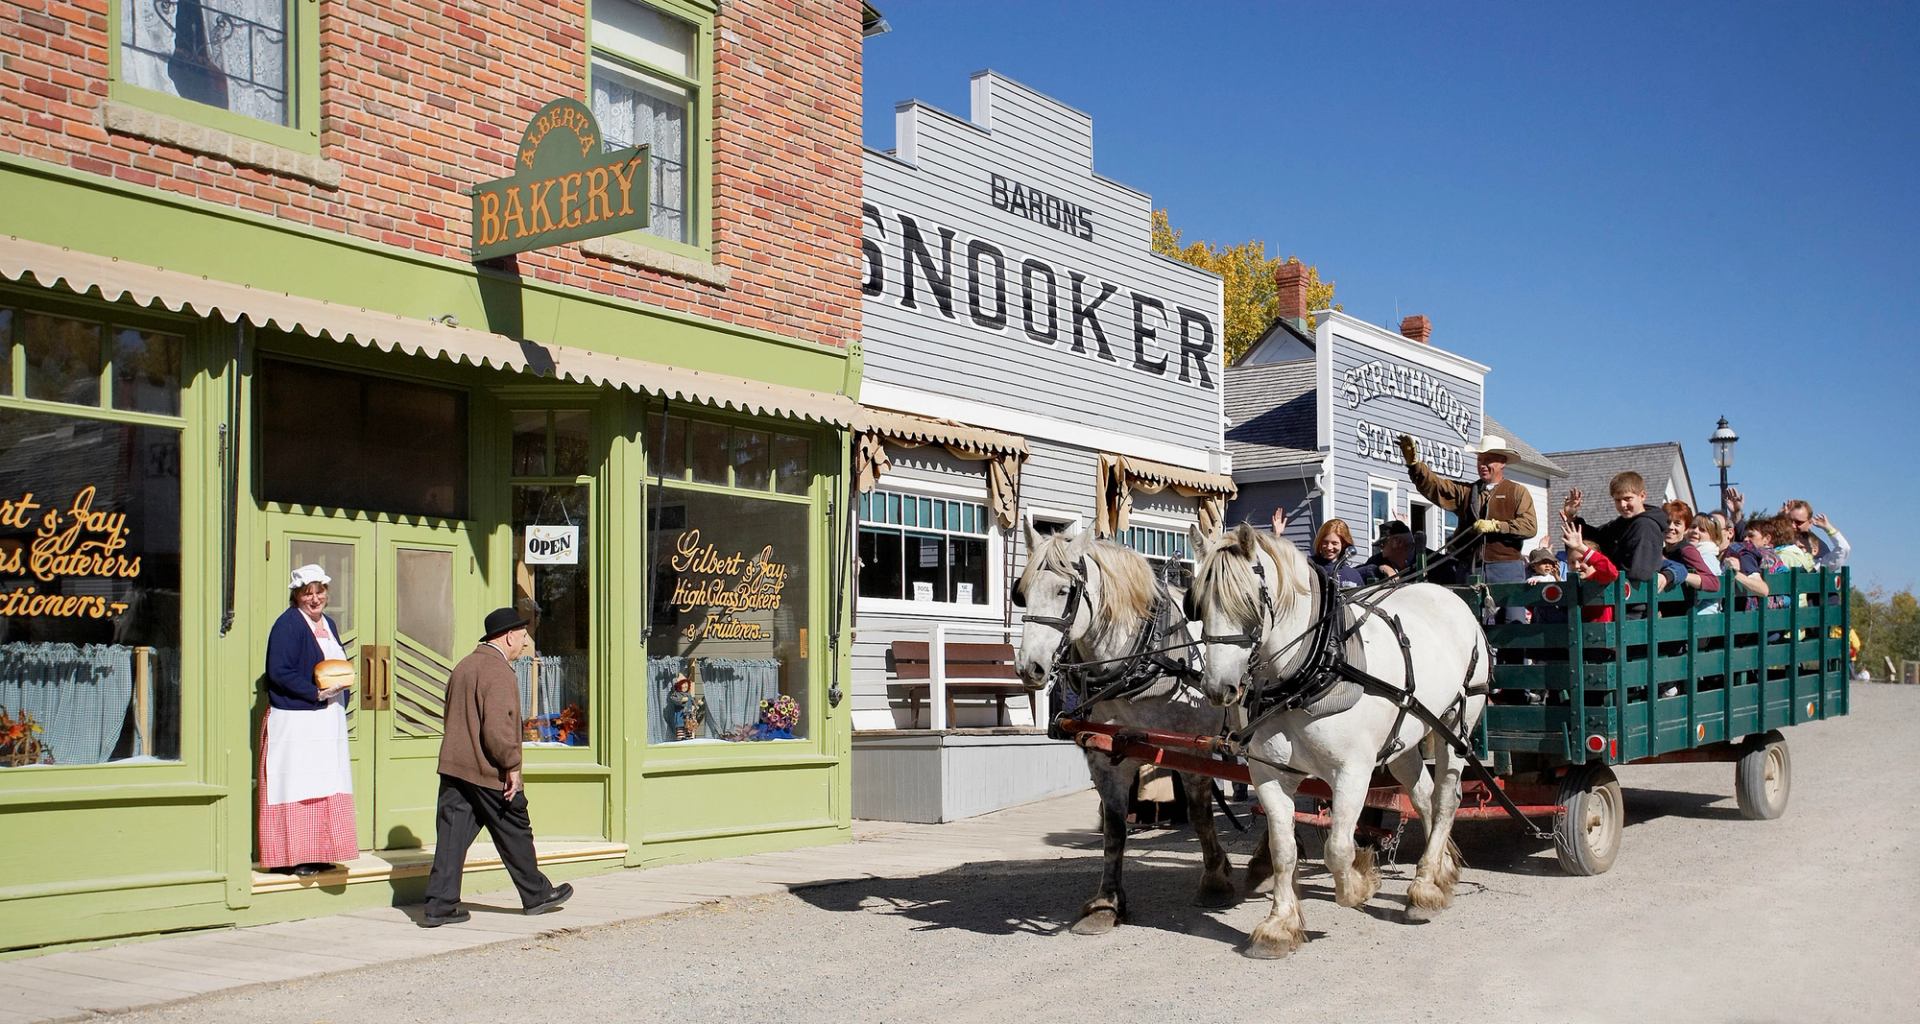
(984, 670)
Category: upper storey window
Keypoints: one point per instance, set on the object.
(649, 74)
(250, 67)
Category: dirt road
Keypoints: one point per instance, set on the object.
(1705, 917)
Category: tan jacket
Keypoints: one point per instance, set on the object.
(1506, 503)
(482, 740)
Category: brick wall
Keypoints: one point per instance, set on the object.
(420, 100)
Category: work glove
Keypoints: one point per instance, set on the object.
(1486, 526)
(1407, 450)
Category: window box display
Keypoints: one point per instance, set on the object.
(727, 655)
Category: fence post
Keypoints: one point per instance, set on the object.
(937, 677)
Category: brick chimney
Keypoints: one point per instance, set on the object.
(1290, 287)
(1417, 327)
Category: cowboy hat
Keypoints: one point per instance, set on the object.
(1494, 444)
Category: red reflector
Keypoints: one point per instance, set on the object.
(1551, 594)
(1613, 747)
(1596, 743)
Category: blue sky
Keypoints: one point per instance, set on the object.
(1642, 216)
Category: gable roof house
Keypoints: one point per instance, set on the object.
(1663, 464)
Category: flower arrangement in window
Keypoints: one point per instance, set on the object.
(777, 718)
(20, 742)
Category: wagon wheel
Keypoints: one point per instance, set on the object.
(1586, 835)
(1763, 778)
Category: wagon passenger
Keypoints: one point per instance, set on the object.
(1392, 553)
(1684, 562)
(1332, 550)
(1635, 541)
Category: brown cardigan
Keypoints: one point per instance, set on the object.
(482, 740)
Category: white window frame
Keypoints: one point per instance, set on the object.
(996, 555)
(1050, 515)
(1157, 521)
(1375, 484)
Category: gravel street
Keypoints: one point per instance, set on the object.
(1705, 917)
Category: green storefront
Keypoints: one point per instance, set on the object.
(195, 399)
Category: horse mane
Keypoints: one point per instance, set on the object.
(1231, 582)
(1126, 577)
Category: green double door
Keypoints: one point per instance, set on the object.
(406, 600)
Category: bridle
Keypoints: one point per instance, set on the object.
(1076, 596)
(1264, 697)
(1089, 682)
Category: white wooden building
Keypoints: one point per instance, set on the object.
(1022, 343)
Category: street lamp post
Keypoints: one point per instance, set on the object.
(1723, 440)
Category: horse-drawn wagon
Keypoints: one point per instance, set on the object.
(1323, 688)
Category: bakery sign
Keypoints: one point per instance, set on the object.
(717, 586)
(565, 187)
(69, 541)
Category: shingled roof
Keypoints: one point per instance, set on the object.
(1592, 469)
(1529, 455)
(1271, 419)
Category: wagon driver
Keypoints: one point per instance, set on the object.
(1497, 511)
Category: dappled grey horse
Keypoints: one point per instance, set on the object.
(1091, 602)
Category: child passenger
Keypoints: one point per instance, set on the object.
(1635, 541)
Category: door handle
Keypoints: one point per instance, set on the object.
(376, 679)
(369, 677)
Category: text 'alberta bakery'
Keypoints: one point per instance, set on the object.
(990, 274)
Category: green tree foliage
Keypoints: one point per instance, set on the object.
(1889, 627)
(1251, 304)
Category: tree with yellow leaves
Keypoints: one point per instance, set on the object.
(1251, 304)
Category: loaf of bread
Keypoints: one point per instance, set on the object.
(332, 674)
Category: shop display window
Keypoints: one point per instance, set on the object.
(90, 567)
(338, 439)
(746, 458)
(925, 549)
(727, 638)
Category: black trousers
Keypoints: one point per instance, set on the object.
(464, 808)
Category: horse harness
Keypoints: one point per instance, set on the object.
(1326, 667)
(1148, 660)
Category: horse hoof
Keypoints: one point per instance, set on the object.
(1098, 922)
(1216, 892)
(1273, 940)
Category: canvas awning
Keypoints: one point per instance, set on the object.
(116, 280)
(1191, 479)
(909, 427)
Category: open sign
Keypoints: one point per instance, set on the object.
(553, 545)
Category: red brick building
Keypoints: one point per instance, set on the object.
(238, 308)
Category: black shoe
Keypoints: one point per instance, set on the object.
(310, 870)
(457, 915)
(551, 901)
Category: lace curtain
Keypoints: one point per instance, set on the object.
(634, 111)
(231, 54)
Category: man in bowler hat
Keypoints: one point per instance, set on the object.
(480, 776)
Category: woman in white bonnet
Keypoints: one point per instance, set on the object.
(306, 770)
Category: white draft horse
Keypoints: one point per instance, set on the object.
(1086, 601)
(1258, 601)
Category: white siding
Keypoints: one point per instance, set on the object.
(942, 185)
(1362, 431)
